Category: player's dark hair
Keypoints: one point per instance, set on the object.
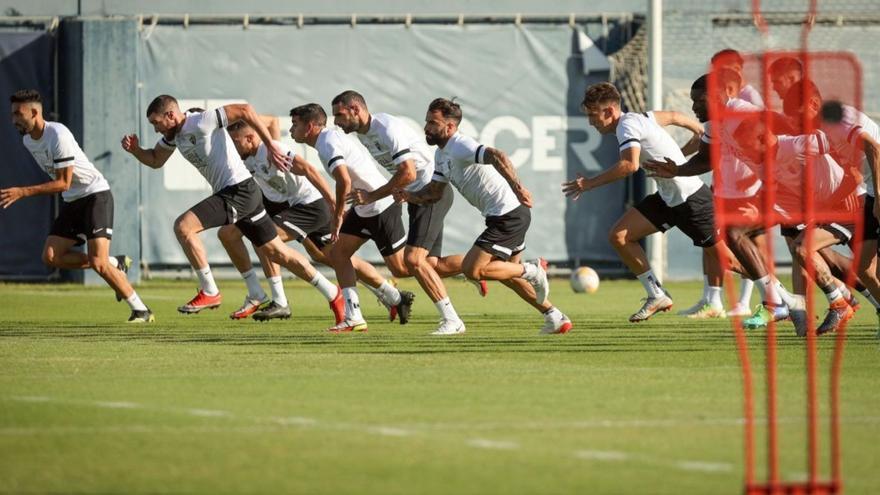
(26, 96)
(728, 55)
(797, 95)
(195, 110)
(161, 104)
(785, 64)
(600, 93)
(310, 113)
(701, 85)
(349, 97)
(238, 125)
(449, 109)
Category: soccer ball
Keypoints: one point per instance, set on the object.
(585, 279)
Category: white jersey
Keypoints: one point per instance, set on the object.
(391, 142)
(280, 186)
(738, 180)
(751, 95)
(461, 163)
(641, 130)
(335, 148)
(845, 143)
(204, 142)
(57, 149)
(791, 153)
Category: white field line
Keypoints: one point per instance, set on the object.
(484, 443)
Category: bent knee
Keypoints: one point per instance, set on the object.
(617, 238)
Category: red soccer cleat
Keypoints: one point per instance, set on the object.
(200, 302)
(337, 305)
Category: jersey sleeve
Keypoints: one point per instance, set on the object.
(441, 168)
(466, 148)
(164, 143)
(211, 119)
(63, 149)
(331, 153)
(396, 137)
(707, 133)
(629, 133)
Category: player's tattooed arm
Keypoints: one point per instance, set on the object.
(300, 166)
(504, 166)
(628, 164)
(153, 157)
(697, 165)
(426, 195)
(63, 178)
(245, 112)
(405, 175)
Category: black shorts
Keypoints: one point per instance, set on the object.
(695, 217)
(242, 205)
(505, 235)
(385, 229)
(842, 232)
(312, 220)
(426, 223)
(872, 226)
(85, 218)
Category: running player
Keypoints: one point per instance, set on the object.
(731, 59)
(404, 153)
(351, 167)
(496, 191)
(204, 142)
(684, 202)
(86, 214)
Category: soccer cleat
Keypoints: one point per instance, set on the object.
(273, 311)
(764, 314)
(797, 313)
(449, 327)
(839, 312)
(708, 311)
(539, 280)
(739, 310)
(249, 307)
(652, 305)
(693, 309)
(141, 316)
(200, 302)
(481, 285)
(337, 305)
(853, 302)
(404, 308)
(556, 325)
(348, 326)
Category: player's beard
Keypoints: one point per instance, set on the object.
(432, 139)
(21, 129)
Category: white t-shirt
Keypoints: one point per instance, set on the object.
(335, 148)
(845, 142)
(390, 141)
(738, 180)
(641, 130)
(751, 95)
(790, 162)
(461, 163)
(57, 149)
(280, 186)
(204, 143)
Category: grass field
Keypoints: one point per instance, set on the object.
(202, 404)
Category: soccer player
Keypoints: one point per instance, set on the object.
(351, 167)
(404, 153)
(684, 202)
(785, 72)
(296, 200)
(731, 59)
(202, 139)
(86, 214)
(496, 191)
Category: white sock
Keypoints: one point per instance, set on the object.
(253, 285)
(352, 304)
(786, 296)
(745, 291)
(114, 262)
(135, 303)
(276, 286)
(713, 297)
(870, 298)
(388, 294)
(705, 288)
(769, 292)
(832, 292)
(845, 292)
(650, 283)
(327, 288)
(206, 281)
(444, 307)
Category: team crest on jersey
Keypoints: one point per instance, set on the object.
(192, 139)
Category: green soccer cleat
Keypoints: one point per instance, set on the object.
(764, 314)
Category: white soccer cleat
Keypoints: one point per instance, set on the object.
(741, 310)
(449, 327)
(553, 325)
(652, 306)
(708, 311)
(694, 309)
(539, 281)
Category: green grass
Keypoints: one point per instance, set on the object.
(202, 404)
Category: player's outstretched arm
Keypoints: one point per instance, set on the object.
(504, 166)
(154, 157)
(405, 174)
(63, 178)
(697, 165)
(300, 166)
(628, 164)
(245, 112)
(678, 119)
(426, 195)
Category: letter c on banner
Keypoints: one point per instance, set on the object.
(516, 127)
